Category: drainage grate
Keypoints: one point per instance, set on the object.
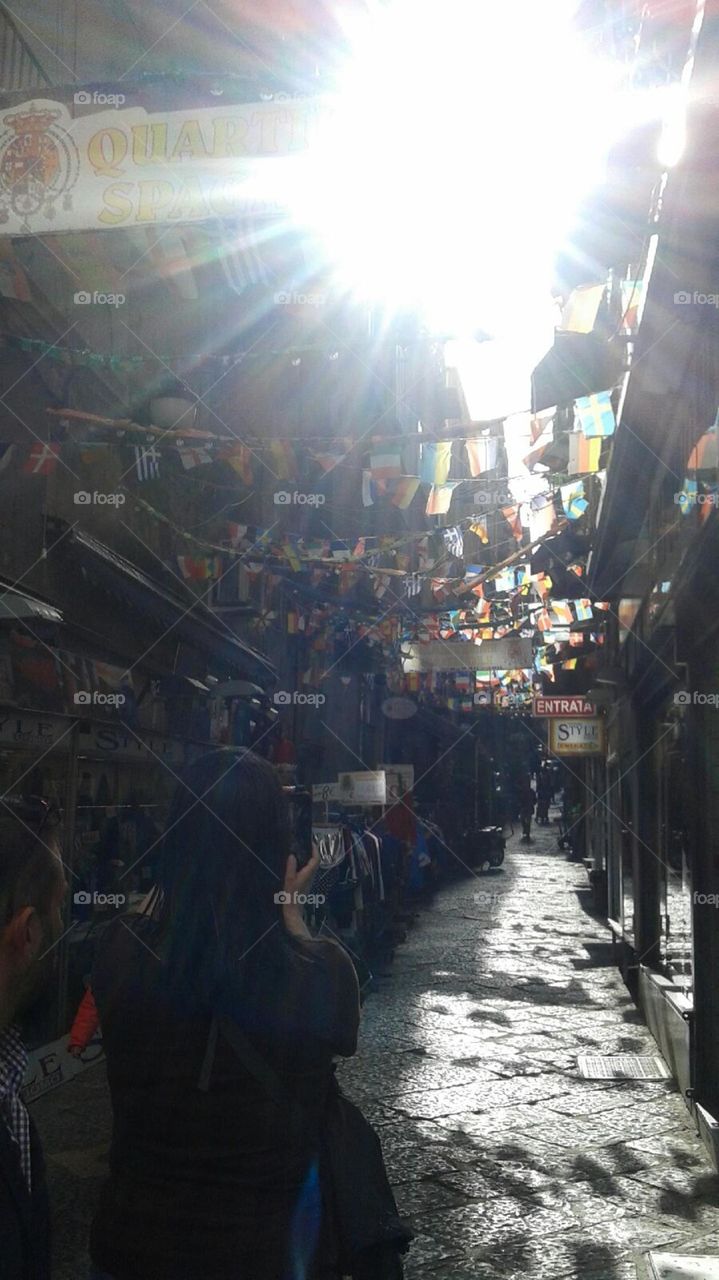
(624, 1066)
(674, 1266)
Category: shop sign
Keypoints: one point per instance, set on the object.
(455, 655)
(575, 736)
(400, 781)
(52, 1065)
(119, 744)
(556, 705)
(363, 788)
(123, 166)
(326, 791)
(33, 732)
(399, 708)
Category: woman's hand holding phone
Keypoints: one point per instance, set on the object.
(297, 883)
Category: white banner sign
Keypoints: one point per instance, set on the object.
(52, 1065)
(127, 167)
(457, 655)
(400, 780)
(363, 788)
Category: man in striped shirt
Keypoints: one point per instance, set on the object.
(32, 888)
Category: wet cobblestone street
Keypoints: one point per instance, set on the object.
(506, 1161)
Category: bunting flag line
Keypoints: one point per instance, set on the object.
(370, 491)
(440, 498)
(147, 462)
(574, 502)
(584, 454)
(435, 462)
(562, 610)
(199, 568)
(579, 314)
(235, 533)
(454, 541)
(481, 454)
(191, 458)
(330, 458)
(42, 459)
(239, 457)
(596, 415)
(386, 464)
(284, 462)
(703, 456)
(512, 516)
(403, 490)
(542, 516)
(479, 528)
(583, 610)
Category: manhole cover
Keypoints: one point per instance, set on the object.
(675, 1266)
(623, 1066)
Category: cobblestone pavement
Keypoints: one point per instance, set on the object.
(507, 1163)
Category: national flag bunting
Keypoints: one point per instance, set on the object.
(481, 454)
(584, 454)
(200, 568)
(332, 456)
(385, 464)
(542, 516)
(479, 528)
(703, 456)
(403, 490)
(194, 458)
(440, 498)
(596, 415)
(370, 490)
(454, 541)
(512, 516)
(147, 462)
(42, 459)
(574, 502)
(284, 462)
(239, 457)
(562, 610)
(435, 462)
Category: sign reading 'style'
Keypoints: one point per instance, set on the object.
(575, 736)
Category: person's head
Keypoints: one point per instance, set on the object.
(222, 865)
(32, 890)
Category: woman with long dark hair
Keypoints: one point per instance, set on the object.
(220, 1019)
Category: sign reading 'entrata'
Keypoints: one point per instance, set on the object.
(563, 706)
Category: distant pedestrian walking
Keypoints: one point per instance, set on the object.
(526, 809)
(545, 795)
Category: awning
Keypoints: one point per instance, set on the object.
(15, 605)
(194, 622)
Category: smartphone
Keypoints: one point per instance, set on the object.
(300, 807)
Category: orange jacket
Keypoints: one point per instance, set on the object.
(87, 1020)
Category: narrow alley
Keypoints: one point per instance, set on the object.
(506, 1161)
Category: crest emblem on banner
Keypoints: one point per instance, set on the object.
(39, 164)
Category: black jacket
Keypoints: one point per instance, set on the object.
(205, 1182)
(24, 1218)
